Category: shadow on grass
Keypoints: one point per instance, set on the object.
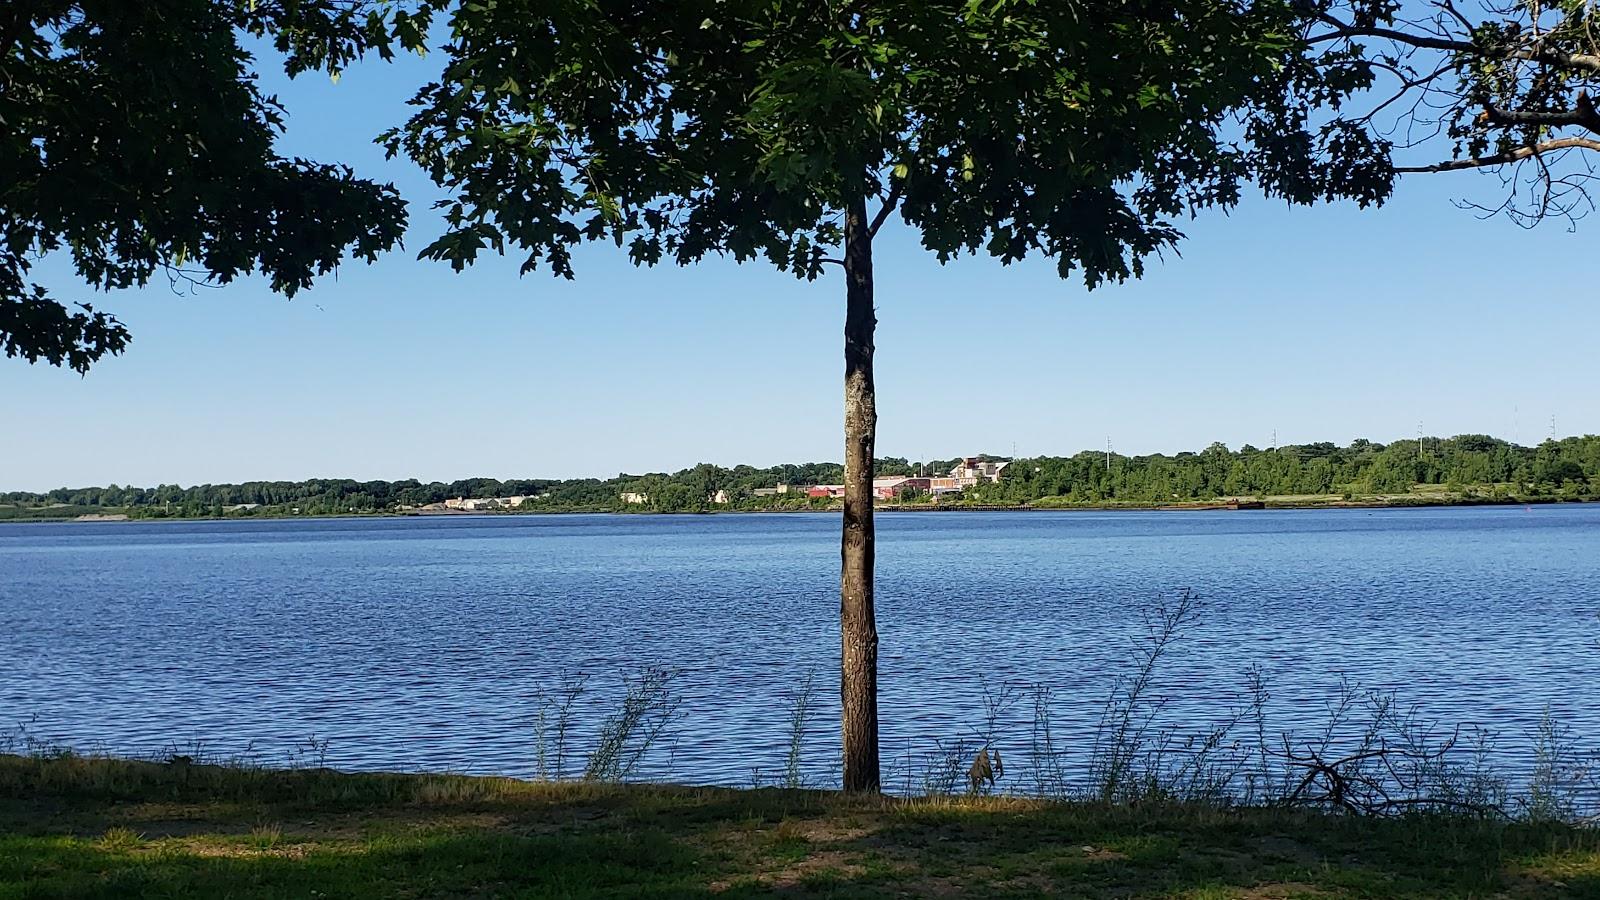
(100, 828)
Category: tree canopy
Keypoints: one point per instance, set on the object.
(136, 140)
(678, 130)
(138, 143)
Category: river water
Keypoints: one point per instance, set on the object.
(423, 643)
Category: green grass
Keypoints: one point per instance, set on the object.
(76, 827)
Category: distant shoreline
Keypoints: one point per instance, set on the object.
(1182, 506)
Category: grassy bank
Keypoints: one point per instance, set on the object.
(76, 827)
(1297, 501)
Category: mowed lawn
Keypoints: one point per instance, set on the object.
(77, 827)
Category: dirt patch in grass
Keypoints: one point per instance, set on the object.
(1101, 854)
(823, 831)
(209, 850)
(1285, 890)
(830, 862)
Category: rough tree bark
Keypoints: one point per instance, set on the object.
(858, 687)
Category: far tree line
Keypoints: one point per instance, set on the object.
(1487, 467)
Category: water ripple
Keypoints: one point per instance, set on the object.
(420, 643)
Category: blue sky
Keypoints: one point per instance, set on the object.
(1320, 324)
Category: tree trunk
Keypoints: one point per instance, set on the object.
(858, 626)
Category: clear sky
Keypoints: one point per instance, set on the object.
(1328, 323)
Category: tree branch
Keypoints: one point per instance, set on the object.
(889, 204)
(1450, 8)
(1406, 85)
(1344, 30)
(1341, 30)
(1510, 156)
(1582, 116)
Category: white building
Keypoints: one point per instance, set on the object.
(473, 504)
(975, 469)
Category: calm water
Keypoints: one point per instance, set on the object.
(419, 643)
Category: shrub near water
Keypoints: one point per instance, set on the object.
(649, 708)
(1373, 755)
